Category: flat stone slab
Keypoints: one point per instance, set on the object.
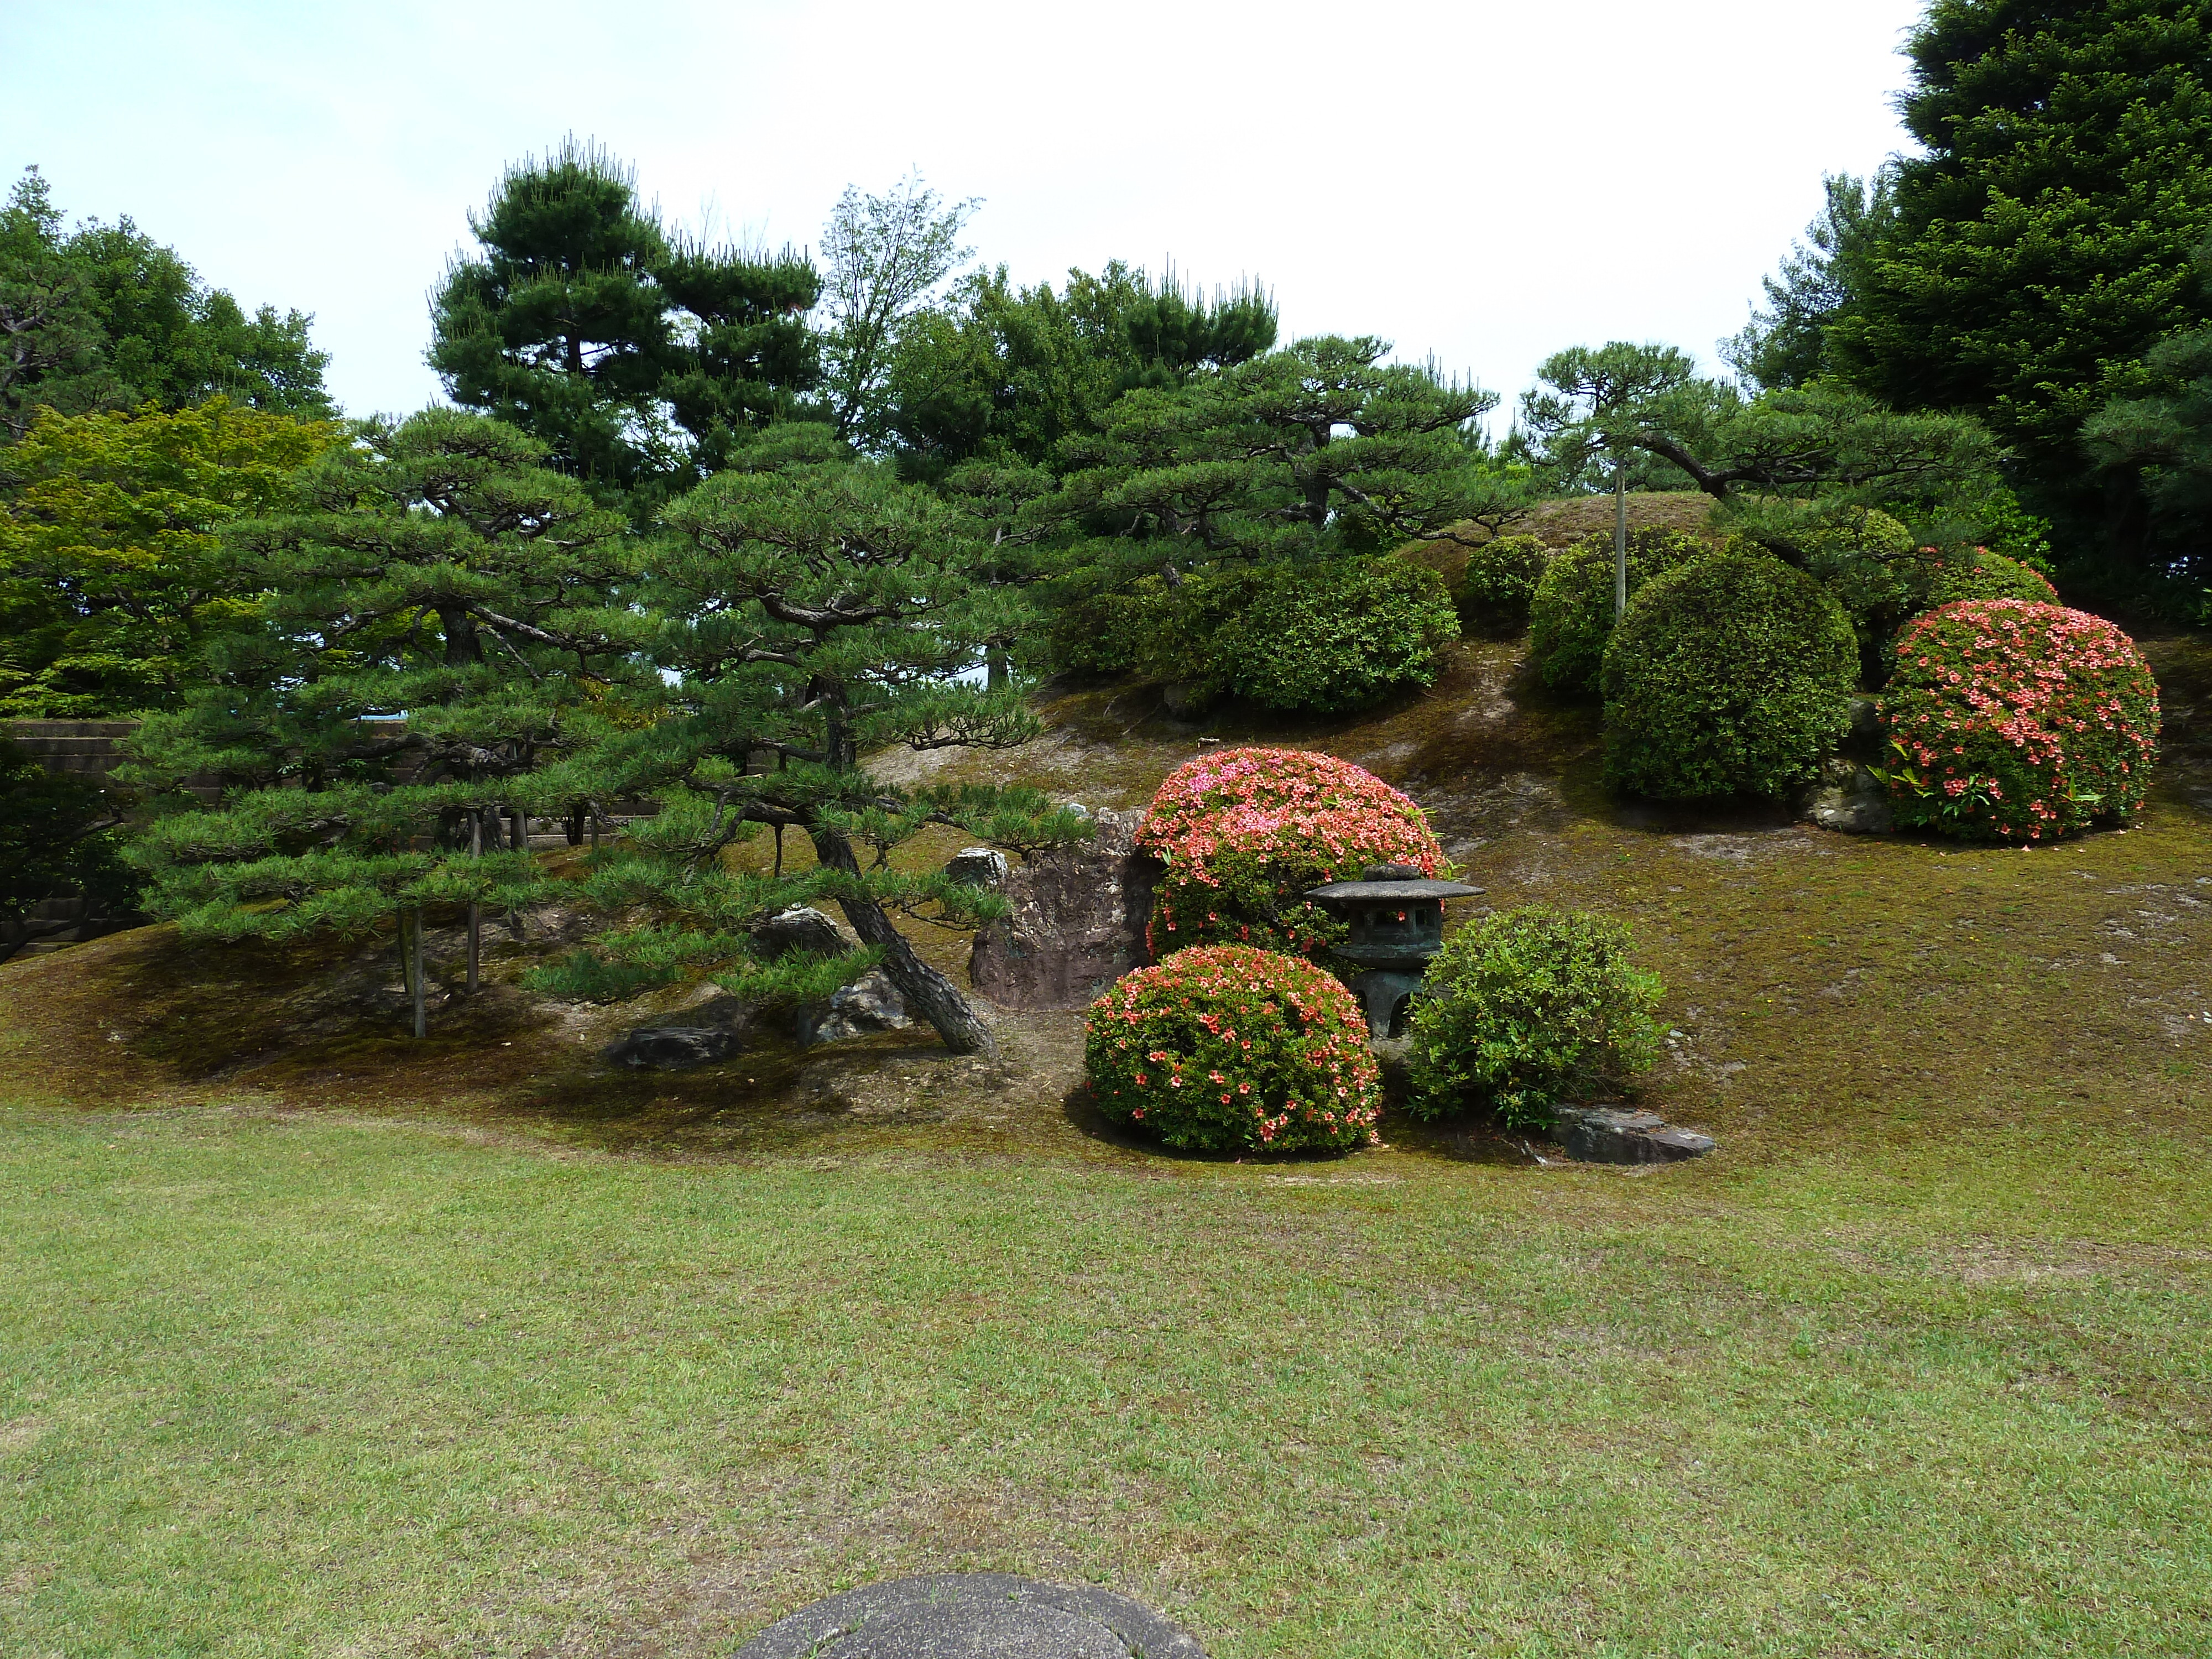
(973, 1615)
(1610, 1134)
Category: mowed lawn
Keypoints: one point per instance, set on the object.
(299, 1385)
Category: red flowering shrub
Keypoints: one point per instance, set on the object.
(1225, 1047)
(2017, 720)
(1246, 832)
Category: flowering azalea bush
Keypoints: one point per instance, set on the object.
(1244, 834)
(1224, 1047)
(2017, 720)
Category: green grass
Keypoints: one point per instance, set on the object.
(290, 1384)
(314, 1340)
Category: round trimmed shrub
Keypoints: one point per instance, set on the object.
(1327, 638)
(1245, 833)
(1528, 1010)
(2017, 722)
(1571, 616)
(1730, 675)
(1884, 578)
(1225, 1048)
(1500, 580)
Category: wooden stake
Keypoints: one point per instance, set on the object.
(476, 924)
(422, 1014)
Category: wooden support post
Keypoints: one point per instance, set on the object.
(476, 919)
(422, 1014)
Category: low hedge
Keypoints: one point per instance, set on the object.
(1730, 675)
(1325, 638)
(1228, 1048)
(1500, 582)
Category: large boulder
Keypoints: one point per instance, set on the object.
(870, 1003)
(800, 930)
(1075, 922)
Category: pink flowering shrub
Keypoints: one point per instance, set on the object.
(1246, 832)
(1225, 1048)
(2017, 720)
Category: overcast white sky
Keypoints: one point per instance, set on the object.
(1483, 181)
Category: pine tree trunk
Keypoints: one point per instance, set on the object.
(927, 992)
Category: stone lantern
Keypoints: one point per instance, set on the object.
(1396, 918)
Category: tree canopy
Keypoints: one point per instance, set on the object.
(114, 576)
(809, 612)
(103, 317)
(640, 357)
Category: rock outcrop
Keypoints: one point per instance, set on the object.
(1076, 924)
(870, 1003)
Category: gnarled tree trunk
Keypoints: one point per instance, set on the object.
(927, 992)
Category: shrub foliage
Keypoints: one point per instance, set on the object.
(1571, 615)
(1305, 638)
(2018, 720)
(1883, 578)
(1528, 1010)
(1227, 1047)
(1730, 675)
(1333, 637)
(1500, 582)
(1246, 832)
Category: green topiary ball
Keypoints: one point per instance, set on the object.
(1500, 581)
(1225, 1048)
(1526, 1010)
(1327, 638)
(1730, 675)
(1571, 616)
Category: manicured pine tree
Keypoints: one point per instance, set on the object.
(639, 358)
(813, 610)
(441, 635)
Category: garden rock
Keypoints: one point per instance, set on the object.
(977, 866)
(974, 1615)
(870, 1003)
(1075, 922)
(674, 1047)
(1846, 797)
(1610, 1134)
(801, 928)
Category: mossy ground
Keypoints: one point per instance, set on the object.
(316, 1340)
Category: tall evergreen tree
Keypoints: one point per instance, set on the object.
(2041, 245)
(1007, 376)
(638, 357)
(438, 640)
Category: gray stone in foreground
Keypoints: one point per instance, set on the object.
(1610, 1134)
(974, 1615)
(870, 1003)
